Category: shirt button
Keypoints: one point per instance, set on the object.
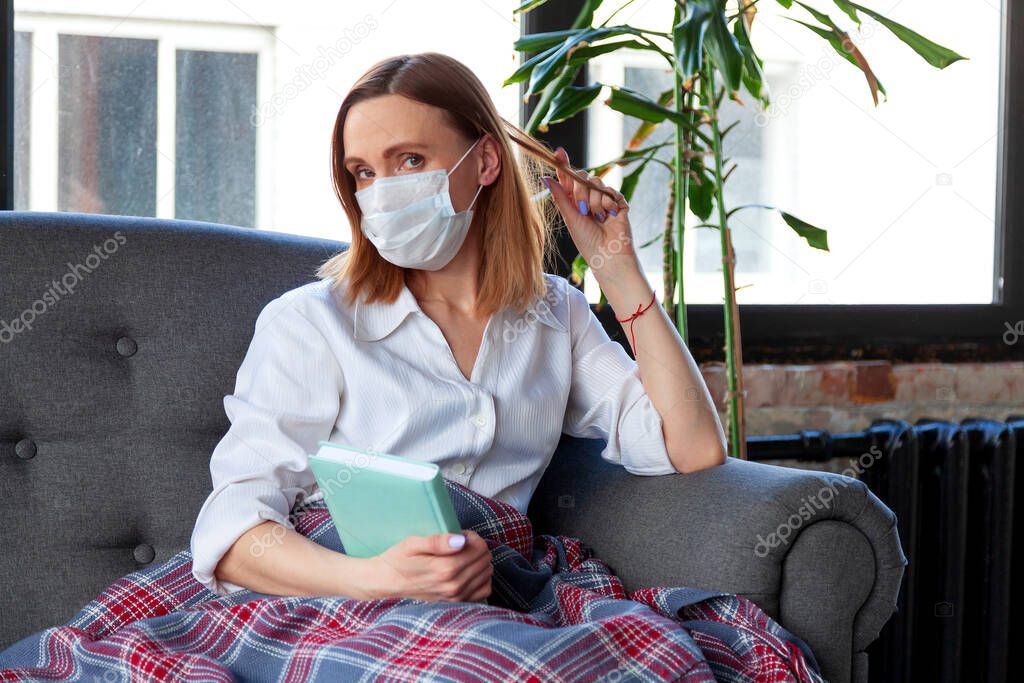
(480, 420)
(458, 468)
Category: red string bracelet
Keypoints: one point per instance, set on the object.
(633, 317)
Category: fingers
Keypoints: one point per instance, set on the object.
(480, 587)
(564, 179)
(467, 576)
(564, 202)
(437, 544)
(587, 200)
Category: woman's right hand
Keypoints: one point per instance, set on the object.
(428, 568)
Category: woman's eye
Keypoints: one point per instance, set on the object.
(416, 160)
(413, 157)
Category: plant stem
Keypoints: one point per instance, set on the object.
(733, 360)
(681, 179)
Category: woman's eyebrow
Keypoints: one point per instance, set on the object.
(390, 150)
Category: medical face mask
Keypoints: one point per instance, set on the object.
(410, 219)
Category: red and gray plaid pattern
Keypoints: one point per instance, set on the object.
(556, 613)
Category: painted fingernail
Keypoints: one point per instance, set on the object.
(613, 212)
(547, 181)
(583, 207)
(457, 541)
(599, 216)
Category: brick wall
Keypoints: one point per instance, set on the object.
(847, 396)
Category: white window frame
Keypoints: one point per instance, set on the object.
(171, 36)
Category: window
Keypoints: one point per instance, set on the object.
(896, 302)
(136, 115)
(219, 111)
(907, 190)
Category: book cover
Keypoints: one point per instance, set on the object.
(378, 499)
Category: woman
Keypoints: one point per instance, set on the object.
(438, 335)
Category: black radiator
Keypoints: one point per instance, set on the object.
(952, 487)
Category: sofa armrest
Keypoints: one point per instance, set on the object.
(817, 551)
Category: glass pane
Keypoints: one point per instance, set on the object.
(107, 119)
(22, 116)
(743, 146)
(219, 111)
(215, 145)
(906, 189)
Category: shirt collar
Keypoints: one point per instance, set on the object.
(375, 320)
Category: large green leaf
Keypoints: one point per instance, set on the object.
(848, 10)
(842, 44)
(586, 14)
(688, 39)
(568, 102)
(815, 236)
(633, 103)
(561, 56)
(933, 53)
(753, 67)
(701, 195)
(588, 52)
(526, 68)
(553, 63)
(704, 27)
(547, 44)
(535, 42)
(644, 130)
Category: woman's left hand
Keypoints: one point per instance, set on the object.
(598, 225)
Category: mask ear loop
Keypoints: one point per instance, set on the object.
(478, 190)
(480, 187)
(464, 155)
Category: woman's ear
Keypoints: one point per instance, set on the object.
(490, 160)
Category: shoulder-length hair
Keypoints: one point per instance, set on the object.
(516, 233)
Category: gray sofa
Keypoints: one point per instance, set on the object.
(120, 336)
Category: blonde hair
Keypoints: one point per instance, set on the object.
(516, 233)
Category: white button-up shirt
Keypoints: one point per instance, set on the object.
(382, 376)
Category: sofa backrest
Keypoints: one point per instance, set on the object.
(119, 338)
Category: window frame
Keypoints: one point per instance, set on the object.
(773, 332)
(818, 332)
(170, 37)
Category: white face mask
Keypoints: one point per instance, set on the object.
(410, 218)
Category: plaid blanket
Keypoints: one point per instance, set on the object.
(556, 613)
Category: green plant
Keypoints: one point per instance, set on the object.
(706, 45)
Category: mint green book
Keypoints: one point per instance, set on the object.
(378, 499)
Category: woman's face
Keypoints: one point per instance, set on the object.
(392, 135)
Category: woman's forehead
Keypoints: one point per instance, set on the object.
(376, 123)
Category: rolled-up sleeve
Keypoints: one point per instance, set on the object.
(287, 397)
(607, 399)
